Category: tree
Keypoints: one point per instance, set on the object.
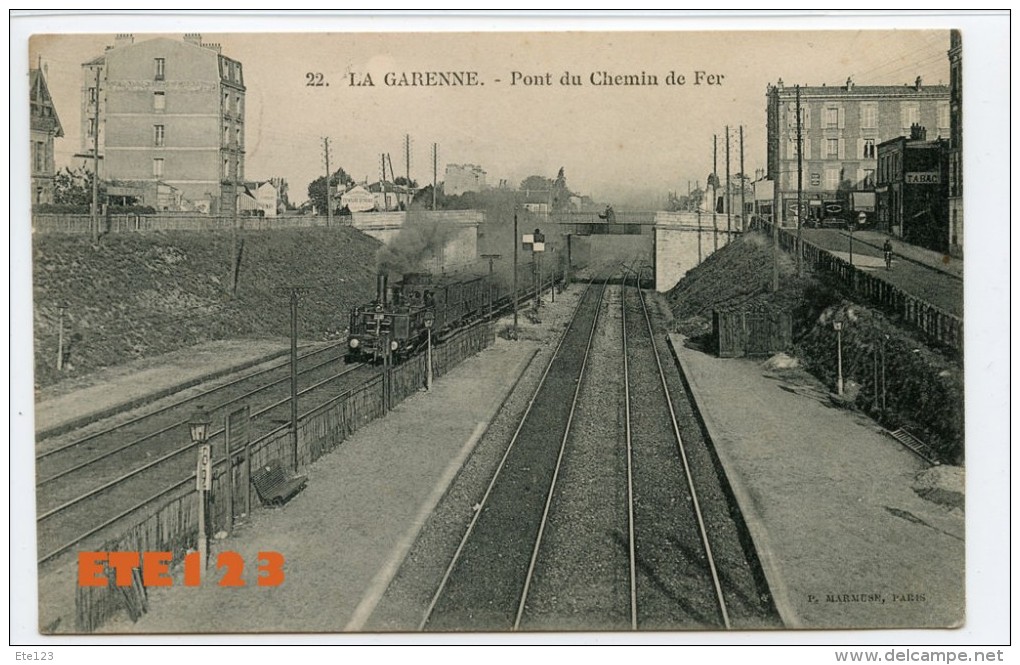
(74, 188)
(561, 194)
(536, 183)
(317, 188)
(401, 180)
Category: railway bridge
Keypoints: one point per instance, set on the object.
(670, 242)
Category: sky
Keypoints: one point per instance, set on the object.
(625, 144)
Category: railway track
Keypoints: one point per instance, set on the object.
(88, 485)
(596, 522)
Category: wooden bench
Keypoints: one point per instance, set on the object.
(275, 484)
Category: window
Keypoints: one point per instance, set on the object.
(38, 156)
(160, 64)
(158, 134)
(869, 149)
(831, 117)
(943, 112)
(869, 178)
(791, 149)
(226, 167)
(832, 148)
(831, 179)
(237, 105)
(910, 115)
(237, 136)
(226, 102)
(92, 95)
(91, 131)
(869, 116)
(157, 167)
(159, 101)
(226, 134)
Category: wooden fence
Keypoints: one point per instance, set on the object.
(751, 332)
(939, 326)
(171, 525)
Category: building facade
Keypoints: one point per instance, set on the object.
(912, 189)
(841, 128)
(170, 111)
(44, 127)
(460, 178)
(955, 143)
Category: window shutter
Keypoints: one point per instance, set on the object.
(860, 149)
(860, 178)
(842, 142)
(806, 110)
(807, 148)
(842, 118)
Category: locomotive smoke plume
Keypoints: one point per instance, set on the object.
(418, 243)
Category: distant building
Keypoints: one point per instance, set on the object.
(169, 111)
(357, 199)
(955, 142)
(259, 198)
(460, 178)
(912, 189)
(389, 196)
(841, 128)
(44, 126)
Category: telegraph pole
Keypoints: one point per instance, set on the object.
(776, 215)
(294, 291)
(517, 240)
(715, 191)
(729, 197)
(435, 175)
(95, 166)
(329, 187)
(743, 204)
(800, 186)
(407, 159)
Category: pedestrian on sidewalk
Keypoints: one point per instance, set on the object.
(887, 249)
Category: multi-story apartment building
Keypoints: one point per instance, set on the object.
(44, 126)
(841, 127)
(462, 178)
(955, 142)
(169, 111)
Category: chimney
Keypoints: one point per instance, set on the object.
(381, 287)
(123, 39)
(779, 84)
(917, 132)
(917, 83)
(193, 38)
(849, 83)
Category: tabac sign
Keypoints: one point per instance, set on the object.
(923, 178)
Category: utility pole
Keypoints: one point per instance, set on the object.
(743, 204)
(729, 196)
(382, 182)
(329, 186)
(800, 186)
(234, 224)
(715, 191)
(294, 291)
(517, 240)
(435, 174)
(407, 167)
(95, 166)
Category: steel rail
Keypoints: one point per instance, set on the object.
(687, 470)
(164, 430)
(178, 451)
(204, 393)
(559, 461)
(488, 490)
(630, 463)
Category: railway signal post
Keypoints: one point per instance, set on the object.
(199, 426)
(491, 258)
(429, 320)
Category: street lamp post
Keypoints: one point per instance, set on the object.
(838, 327)
(199, 426)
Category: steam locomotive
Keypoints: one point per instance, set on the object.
(394, 324)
